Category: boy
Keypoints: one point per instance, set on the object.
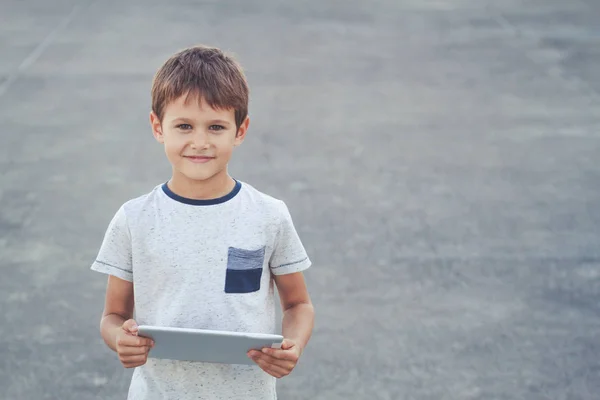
(203, 250)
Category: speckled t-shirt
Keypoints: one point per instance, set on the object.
(203, 264)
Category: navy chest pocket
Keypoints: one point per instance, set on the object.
(244, 270)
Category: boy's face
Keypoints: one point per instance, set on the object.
(198, 139)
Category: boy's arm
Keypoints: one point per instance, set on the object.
(118, 329)
(298, 311)
(288, 260)
(298, 321)
(118, 308)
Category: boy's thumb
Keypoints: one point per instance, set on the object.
(287, 344)
(130, 326)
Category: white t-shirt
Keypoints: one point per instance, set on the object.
(203, 264)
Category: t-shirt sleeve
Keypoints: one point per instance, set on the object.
(289, 255)
(114, 256)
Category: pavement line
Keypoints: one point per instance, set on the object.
(39, 50)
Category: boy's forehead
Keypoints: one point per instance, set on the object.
(196, 106)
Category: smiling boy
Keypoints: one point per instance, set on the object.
(203, 250)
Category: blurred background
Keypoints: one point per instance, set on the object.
(440, 160)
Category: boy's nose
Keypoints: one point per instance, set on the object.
(200, 140)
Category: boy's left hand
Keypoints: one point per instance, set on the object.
(277, 362)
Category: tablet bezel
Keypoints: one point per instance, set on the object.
(204, 345)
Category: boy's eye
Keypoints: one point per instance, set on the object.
(184, 127)
(216, 127)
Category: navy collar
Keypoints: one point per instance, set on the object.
(202, 202)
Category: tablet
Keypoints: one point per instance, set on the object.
(206, 345)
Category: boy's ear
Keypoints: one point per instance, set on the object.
(156, 127)
(241, 133)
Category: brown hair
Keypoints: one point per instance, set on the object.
(205, 72)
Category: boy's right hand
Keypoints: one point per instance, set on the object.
(131, 348)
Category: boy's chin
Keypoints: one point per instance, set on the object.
(198, 176)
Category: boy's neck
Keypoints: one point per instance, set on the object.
(212, 188)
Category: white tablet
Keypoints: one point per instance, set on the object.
(206, 345)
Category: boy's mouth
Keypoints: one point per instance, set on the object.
(199, 159)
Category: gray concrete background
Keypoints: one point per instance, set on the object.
(440, 159)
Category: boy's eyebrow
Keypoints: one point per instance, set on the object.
(212, 121)
(219, 121)
(178, 119)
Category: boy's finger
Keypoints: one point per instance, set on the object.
(271, 369)
(289, 355)
(141, 341)
(134, 359)
(130, 326)
(287, 344)
(268, 360)
(133, 350)
(135, 341)
(133, 365)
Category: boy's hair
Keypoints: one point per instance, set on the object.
(205, 72)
